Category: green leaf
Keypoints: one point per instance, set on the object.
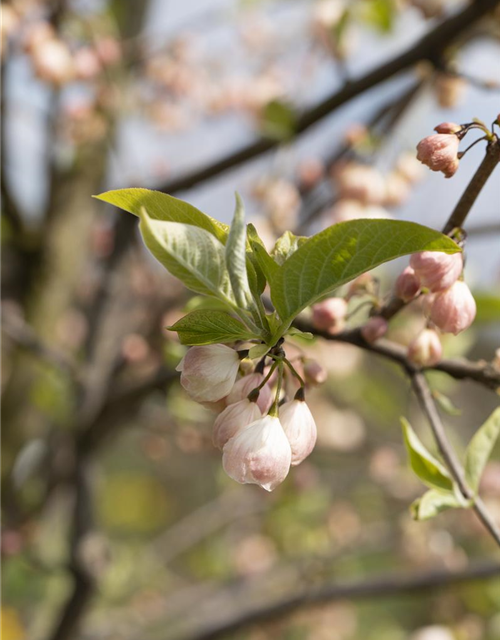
(432, 503)
(342, 252)
(191, 254)
(267, 265)
(161, 206)
(286, 245)
(480, 448)
(488, 307)
(207, 327)
(203, 302)
(303, 335)
(426, 467)
(446, 404)
(258, 351)
(278, 120)
(379, 14)
(236, 258)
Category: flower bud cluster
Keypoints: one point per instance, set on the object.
(440, 151)
(258, 443)
(56, 63)
(448, 302)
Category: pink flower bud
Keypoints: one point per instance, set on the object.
(425, 349)
(53, 62)
(259, 454)
(454, 310)
(208, 372)
(447, 127)
(109, 50)
(409, 168)
(374, 329)
(450, 90)
(87, 64)
(360, 182)
(329, 315)
(300, 429)
(436, 270)
(310, 172)
(440, 153)
(397, 190)
(314, 373)
(244, 385)
(234, 418)
(407, 285)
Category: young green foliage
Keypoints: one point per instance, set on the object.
(432, 503)
(205, 326)
(480, 448)
(341, 253)
(424, 464)
(236, 258)
(232, 265)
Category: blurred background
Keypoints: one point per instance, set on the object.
(118, 521)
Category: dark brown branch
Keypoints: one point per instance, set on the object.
(83, 583)
(386, 117)
(428, 405)
(473, 189)
(427, 48)
(378, 587)
(461, 369)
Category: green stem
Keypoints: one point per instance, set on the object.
(294, 372)
(273, 411)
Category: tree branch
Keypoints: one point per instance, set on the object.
(473, 189)
(427, 48)
(428, 405)
(481, 372)
(461, 211)
(377, 587)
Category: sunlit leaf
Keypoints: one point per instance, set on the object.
(236, 257)
(266, 263)
(342, 252)
(426, 467)
(191, 254)
(480, 448)
(161, 206)
(208, 327)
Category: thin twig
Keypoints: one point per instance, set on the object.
(473, 189)
(460, 213)
(428, 406)
(459, 368)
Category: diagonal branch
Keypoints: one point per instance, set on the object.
(459, 368)
(427, 48)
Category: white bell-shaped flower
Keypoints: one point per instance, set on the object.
(245, 385)
(234, 418)
(258, 454)
(299, 427)
(208, 372)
